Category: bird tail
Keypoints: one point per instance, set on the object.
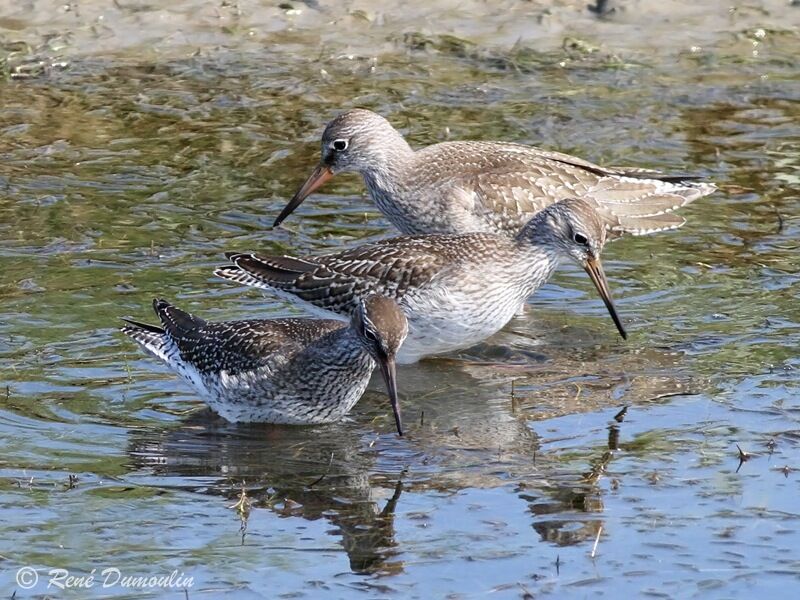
(161, 341)
(177, 323)
(240, 276)
(644, 225)
(628, 211)
(265, 272)
(153, 339)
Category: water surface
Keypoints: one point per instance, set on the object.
(135, 149)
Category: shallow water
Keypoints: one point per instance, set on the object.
(136, 148)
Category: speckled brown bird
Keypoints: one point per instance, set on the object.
(293, 371)
(456, 290)
(470, 186)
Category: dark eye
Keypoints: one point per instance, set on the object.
(340, 145)
(370, 335)
(580, 239)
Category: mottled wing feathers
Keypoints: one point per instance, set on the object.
(238, 346)
(315, 283)
(280, 268)
(231, 346)
(337, 281)
(509, 183)
(240, 276)
(643, 225)
(641, 173)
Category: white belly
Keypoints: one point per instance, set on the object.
(444, 320)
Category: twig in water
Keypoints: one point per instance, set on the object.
(771, 446)
(780, 219)
(620, 416)
(242, 506)
(613, 437)
(321, 477)
(596, 541)
(391, 504)
(743, 457)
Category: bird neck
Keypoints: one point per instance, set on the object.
(338, 356)
(537, 247)
(388, 164)
(339, 347)
(336, 363)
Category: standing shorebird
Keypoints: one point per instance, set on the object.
(293, 371)
(463, 187)
(456, 290)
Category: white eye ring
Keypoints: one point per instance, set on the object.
(339, 145)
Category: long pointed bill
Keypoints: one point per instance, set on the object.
(320, 175)
(390, 377)
(595, 271)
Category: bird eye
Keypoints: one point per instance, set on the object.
(580, 239)
(370, 335)
(339, 145)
